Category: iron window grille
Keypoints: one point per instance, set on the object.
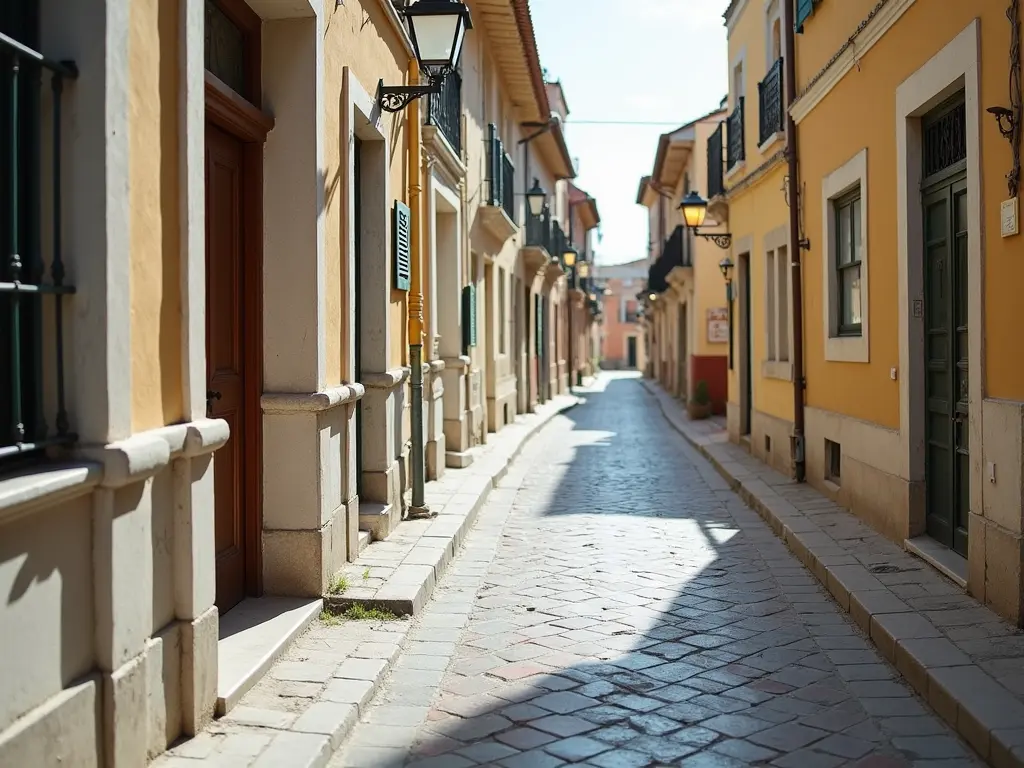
(736, 150)
(716, 183)
(769, 96)
(32, 270)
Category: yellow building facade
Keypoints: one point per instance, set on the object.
(748, 197)
(915, 386)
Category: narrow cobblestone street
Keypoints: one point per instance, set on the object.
(617, 606)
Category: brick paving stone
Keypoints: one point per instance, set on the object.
(616, 605)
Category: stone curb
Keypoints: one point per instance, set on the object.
(409, 588)
(987, 715)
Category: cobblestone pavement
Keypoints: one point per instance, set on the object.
(618, 606)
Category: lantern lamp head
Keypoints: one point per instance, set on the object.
(536, 198)
(438, 30)
(695, 209)
(726, 266)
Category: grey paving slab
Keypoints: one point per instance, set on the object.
(622, 607)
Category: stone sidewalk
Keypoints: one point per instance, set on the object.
(299, 713)
(965, 660)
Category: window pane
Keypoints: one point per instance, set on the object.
(844, 246)
(855, 231)
(850, 280)
(225, 49)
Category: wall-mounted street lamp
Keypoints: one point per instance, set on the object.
(584, 270)
(726, 266)
(652, 296)
(695, 208)
(536, 197)
(438, 29)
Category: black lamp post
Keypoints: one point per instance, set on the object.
(726, 266)
(569, 256)
(438, 29)
(695, 208)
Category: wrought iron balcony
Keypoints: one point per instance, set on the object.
(735, 150)
(32, 265)
(444, 110)
(538, 231)
(716, 184)
(769, 97)
(501, 174)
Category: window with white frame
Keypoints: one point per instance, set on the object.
(848, 261)
(845, 277)
(777, 304)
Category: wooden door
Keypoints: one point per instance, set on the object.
(225, 184)
(631, 351)
(947, 457)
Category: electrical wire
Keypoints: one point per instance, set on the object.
(619, 122)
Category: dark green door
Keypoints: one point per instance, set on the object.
(947, 462)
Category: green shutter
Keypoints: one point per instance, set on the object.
(804, 9)
(401, 232)
(540, 325)
(468, 317)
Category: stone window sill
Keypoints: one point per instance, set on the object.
(46, 485)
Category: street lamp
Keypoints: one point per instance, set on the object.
(569, 257)
(726, 266)
(695, 209)
(536, 197)
(438, 29)
(584, 269)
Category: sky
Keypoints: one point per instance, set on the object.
(637, 61)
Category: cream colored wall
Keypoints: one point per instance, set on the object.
(484, 102)
(154, 220)
(359, 36)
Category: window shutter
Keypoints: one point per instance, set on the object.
(804, 9)
(401, 233)
(540, 326)
(468, 317)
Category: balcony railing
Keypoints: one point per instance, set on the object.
(508, 195)
(716, 185)
(500, 173)
(30, 216)
(735, 151)
(538, 230)
(769, 98)
(444, 110)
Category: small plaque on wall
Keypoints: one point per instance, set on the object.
(718, 325)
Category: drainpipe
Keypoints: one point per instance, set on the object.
(418, 509)
(795, 248)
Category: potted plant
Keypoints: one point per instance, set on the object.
(700, 404)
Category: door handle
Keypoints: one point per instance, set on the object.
(211, 396)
